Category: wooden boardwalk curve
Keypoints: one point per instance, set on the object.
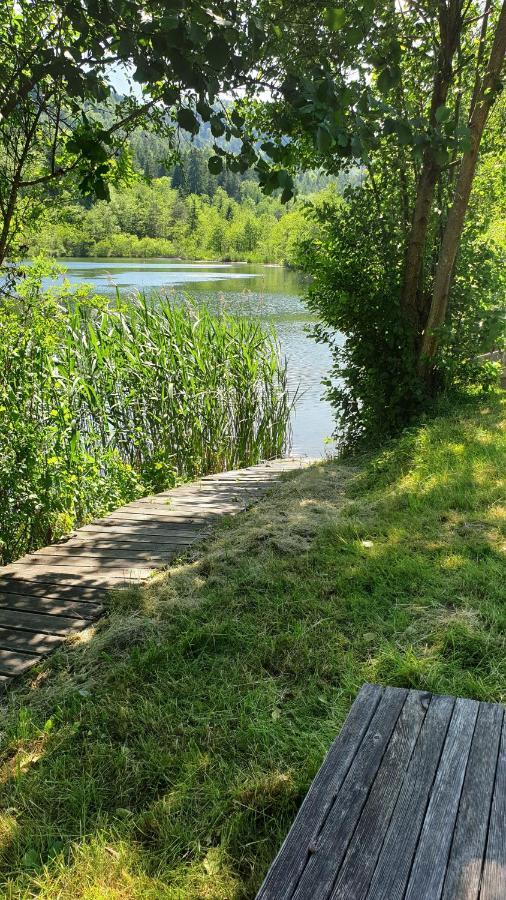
(409, 804)
(58, 590)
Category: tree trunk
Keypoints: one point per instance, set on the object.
(456, 216)
(5, 233)
(450, 25)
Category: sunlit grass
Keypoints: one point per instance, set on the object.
(185, 732)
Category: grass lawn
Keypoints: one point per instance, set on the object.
(164, 753)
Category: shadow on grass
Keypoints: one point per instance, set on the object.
(165, 753)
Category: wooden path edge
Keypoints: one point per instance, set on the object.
(55, 592)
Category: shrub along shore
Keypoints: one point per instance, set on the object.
(165, 752)
(103, 401)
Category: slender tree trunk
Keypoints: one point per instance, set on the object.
(455, 222)
(5, 232)
(450, 25)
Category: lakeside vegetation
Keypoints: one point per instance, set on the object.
(165, 753)
(156, 219)
(102, 401)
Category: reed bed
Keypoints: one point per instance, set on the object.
(104, 400)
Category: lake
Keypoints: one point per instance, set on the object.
(269, 293)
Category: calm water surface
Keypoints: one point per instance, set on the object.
(269, 293)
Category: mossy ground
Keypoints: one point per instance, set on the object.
(165, 753)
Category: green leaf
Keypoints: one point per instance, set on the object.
(324, 139)
(187, 120)
(443, 113)
(204, 110)
(403, 133)
(30, 859)
(335, 17)
(388, 78)
(217, 127)
(215, 165)
(217, 51)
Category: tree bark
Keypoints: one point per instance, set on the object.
(450, 25)
(456, 217)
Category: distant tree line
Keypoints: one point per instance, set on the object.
(163, 218)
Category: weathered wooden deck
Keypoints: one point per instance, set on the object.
(50, 594)
(410, 802)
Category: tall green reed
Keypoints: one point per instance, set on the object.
(103, 400)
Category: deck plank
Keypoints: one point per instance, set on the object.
(394, 862)
(32, 621)
(91, 551)
(13, 662)
(493, 885)
(13, 585)
(99, 563)
(51, 606)
(429, 865)
(463, 874)
(357, 868)
(418, 811)
(286, 869)
(28, 641)
(319, 874)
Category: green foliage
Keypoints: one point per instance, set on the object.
(101, 401)
(356, 290)
(166, 756)
(148, 220)
(59, 61)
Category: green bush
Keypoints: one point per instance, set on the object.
(356, 289)
(101, 401)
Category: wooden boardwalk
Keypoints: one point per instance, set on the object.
(409, 804)
(56, 591)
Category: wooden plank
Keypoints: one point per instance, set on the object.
(286, 869)
(196, 510)
(254, 475)
(330, 847)
(394, 863)
(92, 561)
(230, 488)
(80, 592)
(177, 521)
(463, 873)
(431, 857)
(358, 865)
(147, 545)
(47, 624)
(493, 882)
(149, 524)
(128, 531)
(51, 606)
(71, 579)
(13, 662)
(28, 641)
(90, 551)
